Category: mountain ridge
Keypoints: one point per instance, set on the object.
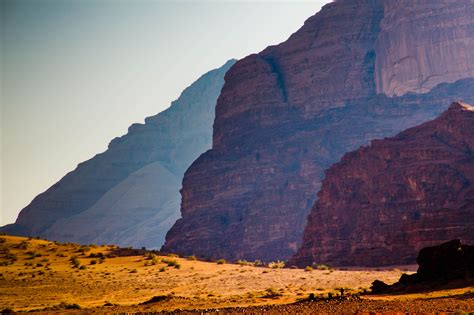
(174, 138)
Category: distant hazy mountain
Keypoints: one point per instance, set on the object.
(129, 195)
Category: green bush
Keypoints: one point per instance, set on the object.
(276, 264)
(150, 256)
(170, 262)
(271, 293)
(74, 261)
(258, 263)
(244, 263)
(323, 267)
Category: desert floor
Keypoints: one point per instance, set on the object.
(41, 275)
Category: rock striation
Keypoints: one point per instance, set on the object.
(423, 43)
(382, 203)
(129, 194)
(287, 113)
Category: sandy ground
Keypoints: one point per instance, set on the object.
(37, 275)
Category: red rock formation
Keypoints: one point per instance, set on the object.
(285, 115)
(381, 204)
(420, 45)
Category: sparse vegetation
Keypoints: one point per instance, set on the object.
(244, 263)
(271, 293)
(151, 259)
(75, 261)
(170, 262)
(323, 267)
(276, 264)
(258, 263)
(193, 282)
(221, 261)
(83, 249)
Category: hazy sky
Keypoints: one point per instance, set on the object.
(77, 73)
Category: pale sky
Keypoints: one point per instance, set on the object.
(74, 74)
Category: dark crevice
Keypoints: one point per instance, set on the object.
(280, 77)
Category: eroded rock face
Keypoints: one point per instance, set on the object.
(129, 195)
(381, 204)
(423, 43)
(285, 115)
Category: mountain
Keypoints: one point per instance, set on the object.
(356, 71)
(129, 194)
(381, 204)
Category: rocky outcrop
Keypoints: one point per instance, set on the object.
(285, 115)
(423, 43)
(381, 204)
(129, 195)
(438, 265)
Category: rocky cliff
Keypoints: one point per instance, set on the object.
(381, 204)
(288, 113)
(129, 194)
(423, 43)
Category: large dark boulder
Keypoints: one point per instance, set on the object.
(450, 262)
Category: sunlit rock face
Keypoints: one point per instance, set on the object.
(129, 194)
(284, 116)
(382, 203)
(423, 43)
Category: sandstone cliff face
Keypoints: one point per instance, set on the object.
(421, 45)
(285, 115)
(381, 204)
(129, 195)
